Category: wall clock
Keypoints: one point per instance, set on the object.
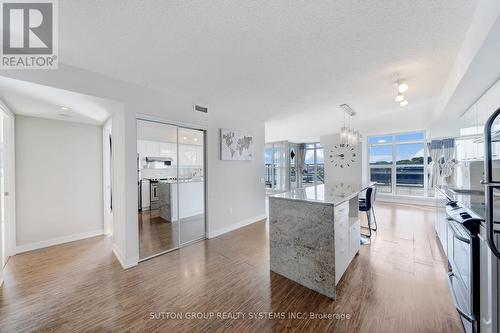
(342, 156)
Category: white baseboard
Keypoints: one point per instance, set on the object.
(234, 226)
(58, 240)
(126, 264)
(422, 201)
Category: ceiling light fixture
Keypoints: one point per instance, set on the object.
(65, 108)
(184, 138)
(348, 136)
(195, 139)
(402, 87)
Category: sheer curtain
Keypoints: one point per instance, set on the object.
(449, 160)
(435, 151)
(301, 162)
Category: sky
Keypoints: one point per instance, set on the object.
(403, 152)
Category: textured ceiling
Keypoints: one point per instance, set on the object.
(287, 62)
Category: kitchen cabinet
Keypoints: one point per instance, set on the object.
(347, 237)
(441, 222)
(189, 155)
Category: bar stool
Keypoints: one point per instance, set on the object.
(366, 205)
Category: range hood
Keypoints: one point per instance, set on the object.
(159, 159)
(158, 162)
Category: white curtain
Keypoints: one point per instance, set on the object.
(435, 151)
(449, 160)
(301, 162)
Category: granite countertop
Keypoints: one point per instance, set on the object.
(328, 194)
(190, 180)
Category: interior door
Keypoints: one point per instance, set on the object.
(191, 184)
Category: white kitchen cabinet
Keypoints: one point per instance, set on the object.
(347, 236)
(152, 149)
(168, 149)
(441, 222)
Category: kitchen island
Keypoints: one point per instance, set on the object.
(191, 194)
(314, 233)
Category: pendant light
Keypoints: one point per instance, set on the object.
(348, 136)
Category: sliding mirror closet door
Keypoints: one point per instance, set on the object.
(157, 161)
(191, 185)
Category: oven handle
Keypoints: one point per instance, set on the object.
(460, 311)
(457, 236)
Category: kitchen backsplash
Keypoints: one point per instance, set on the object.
(187, 172)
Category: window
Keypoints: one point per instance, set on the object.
(397, 163)
(314, 172)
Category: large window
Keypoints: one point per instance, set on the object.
(314, 172)
(398, 162)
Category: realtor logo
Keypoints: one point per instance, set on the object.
(29, 34)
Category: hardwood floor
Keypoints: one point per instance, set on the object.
(396, 284)
(157, 235)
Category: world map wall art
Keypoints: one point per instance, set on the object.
(236, 146)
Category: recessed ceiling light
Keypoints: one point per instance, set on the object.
(195, 139)
(399, 98)
(184, 138)
(402, 87)
(65, 108)
(404, 103)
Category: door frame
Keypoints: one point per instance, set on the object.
(107, 177)
(192, 126)
(10, 184)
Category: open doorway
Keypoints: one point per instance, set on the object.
(59, 158)
(7, 195)
(171, 186)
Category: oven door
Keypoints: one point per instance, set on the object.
(459, 256)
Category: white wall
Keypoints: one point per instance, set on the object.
(232, 186)
(58, 181)
(348, 174)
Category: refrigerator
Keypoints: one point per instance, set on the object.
(489, 320)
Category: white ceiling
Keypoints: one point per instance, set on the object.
(29, 99)
(287, 62)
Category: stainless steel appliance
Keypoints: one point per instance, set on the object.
(463, 246)
(154, 195)
(158, 162)
(490, 260)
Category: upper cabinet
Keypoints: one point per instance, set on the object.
(189, 155)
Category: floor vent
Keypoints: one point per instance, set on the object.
(200, 108)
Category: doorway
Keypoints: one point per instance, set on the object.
(171, 186)
(7, 204)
